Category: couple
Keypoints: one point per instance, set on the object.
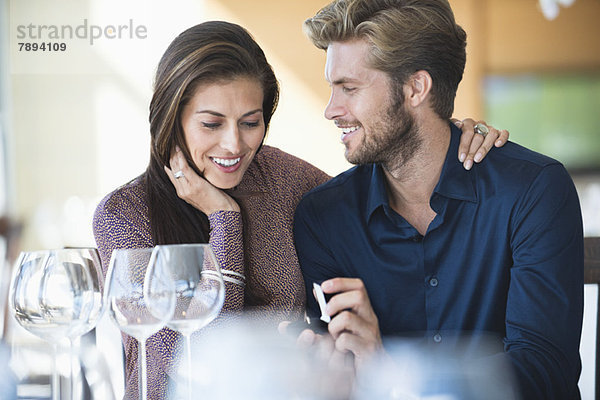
(408, 242)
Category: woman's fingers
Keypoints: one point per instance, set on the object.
(196, 190)
(502, 139)
(467, 126)
(477, 139)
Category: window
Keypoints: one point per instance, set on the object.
(557, 115)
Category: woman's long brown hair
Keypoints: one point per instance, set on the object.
(206, 53)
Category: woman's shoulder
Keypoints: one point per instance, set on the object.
(275, 156)
(121, 219)
(126, 199)
(281, 167)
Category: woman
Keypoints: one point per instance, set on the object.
(213, 99)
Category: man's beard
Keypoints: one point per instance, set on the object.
(392, 141)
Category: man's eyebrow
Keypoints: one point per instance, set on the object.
(343, 80)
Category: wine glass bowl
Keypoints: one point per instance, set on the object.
(24, 301)
(139, 303)
(56, 294)
(140, 299)
(87, 274)
(197, 304)
(199, 289)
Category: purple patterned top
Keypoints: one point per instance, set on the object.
(268, 194)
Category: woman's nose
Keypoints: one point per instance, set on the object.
(231, 140)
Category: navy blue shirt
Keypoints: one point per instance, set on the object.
(503, 255)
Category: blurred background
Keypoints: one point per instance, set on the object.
(74, 123)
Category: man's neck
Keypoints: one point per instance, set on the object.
(410, 186)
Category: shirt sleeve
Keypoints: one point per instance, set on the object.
(227, 242)
(545, 298)
(316, 261)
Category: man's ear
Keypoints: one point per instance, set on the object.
(417, 88)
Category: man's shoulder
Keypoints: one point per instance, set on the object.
(346, 186)
(515, 172)
(515, 153)
(519, 164)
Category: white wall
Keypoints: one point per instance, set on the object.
(4, 107)
(80, 116)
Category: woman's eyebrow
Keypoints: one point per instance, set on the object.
(218, 114)
(252, 112)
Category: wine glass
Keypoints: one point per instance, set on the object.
(52, 295)
(141, 299)
(89, 275)
(199, 288)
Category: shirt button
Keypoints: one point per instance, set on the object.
(437, 338)
(417, 238)
(433, 282)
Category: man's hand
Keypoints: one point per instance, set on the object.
(354, 325)
(322, 347)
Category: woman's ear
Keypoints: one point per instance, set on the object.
(417, 88)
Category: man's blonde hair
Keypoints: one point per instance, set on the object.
(405, 36)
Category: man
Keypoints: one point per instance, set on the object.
(408, 243)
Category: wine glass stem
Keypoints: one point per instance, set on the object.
(55, 381)
(72, 380)
(142, 378)
(188, 345)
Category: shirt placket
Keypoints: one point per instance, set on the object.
(433, 283)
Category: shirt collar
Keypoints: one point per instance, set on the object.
(455, 181)
(377, 195)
